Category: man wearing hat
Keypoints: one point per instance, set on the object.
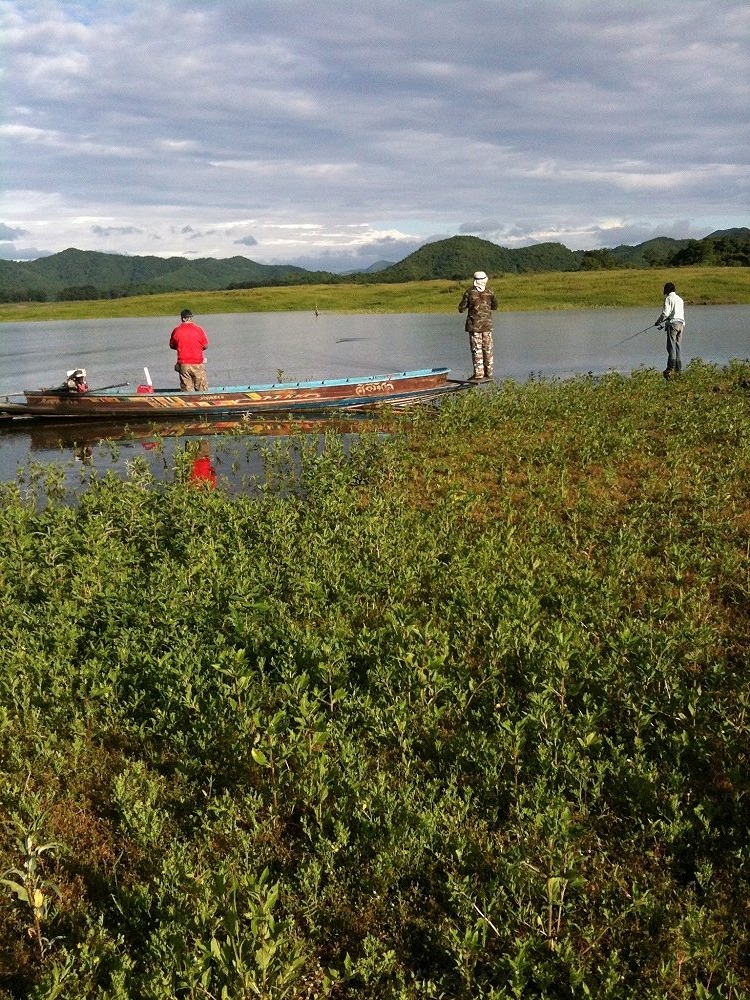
(190, 341)
(478, 302)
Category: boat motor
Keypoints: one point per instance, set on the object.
(146, 387)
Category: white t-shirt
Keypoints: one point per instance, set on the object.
(673, 309)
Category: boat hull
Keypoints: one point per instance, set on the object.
(356, 393)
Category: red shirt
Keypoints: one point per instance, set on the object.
(189, 340)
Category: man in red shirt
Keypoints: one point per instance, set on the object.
(190, 341)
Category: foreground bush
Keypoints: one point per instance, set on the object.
(464, 716)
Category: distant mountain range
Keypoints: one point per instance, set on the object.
(87, 274)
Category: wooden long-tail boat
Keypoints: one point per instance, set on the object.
(122, 402)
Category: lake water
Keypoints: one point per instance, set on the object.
(261, 347)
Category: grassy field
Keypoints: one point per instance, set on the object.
(462, 712)
(582, 290)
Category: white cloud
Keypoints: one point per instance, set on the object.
(197, 128)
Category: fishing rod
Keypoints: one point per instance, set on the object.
(633, 336)
(116, 385)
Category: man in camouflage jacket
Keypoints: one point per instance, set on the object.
(478, 302)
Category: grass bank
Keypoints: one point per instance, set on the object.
(581, 290)
(469, 717)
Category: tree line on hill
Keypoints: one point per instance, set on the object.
(86, 274)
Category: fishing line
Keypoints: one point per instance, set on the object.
(632, 336)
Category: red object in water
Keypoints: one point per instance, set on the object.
(203, 473)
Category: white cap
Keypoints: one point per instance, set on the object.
(480, 276)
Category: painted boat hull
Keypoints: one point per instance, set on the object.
(356, 393)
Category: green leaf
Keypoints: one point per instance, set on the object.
(19, 890)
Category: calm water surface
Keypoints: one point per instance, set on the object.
(257, 347)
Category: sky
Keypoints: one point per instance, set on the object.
(333, 135)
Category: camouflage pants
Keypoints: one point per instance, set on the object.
(482, 353)
(192, 378)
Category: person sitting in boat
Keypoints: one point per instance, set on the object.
(190, 341)
(75, 381)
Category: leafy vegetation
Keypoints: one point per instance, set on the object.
(87, 275)
(584, 289)
(731, 251)
(465, 714)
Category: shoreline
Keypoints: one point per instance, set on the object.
(548, 292)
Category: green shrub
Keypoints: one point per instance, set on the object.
(458, 711)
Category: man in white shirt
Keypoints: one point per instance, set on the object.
(673, 318)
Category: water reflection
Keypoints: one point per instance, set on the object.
(202, 452)
(202, 471)
(84, 454)
(47, 436)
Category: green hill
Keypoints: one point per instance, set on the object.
(728, 247)
(653, 253)
(458, 257)
(89, 274)
(86, 274)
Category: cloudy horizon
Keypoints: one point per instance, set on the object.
(333, 136)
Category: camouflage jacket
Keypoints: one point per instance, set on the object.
(479, 306)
